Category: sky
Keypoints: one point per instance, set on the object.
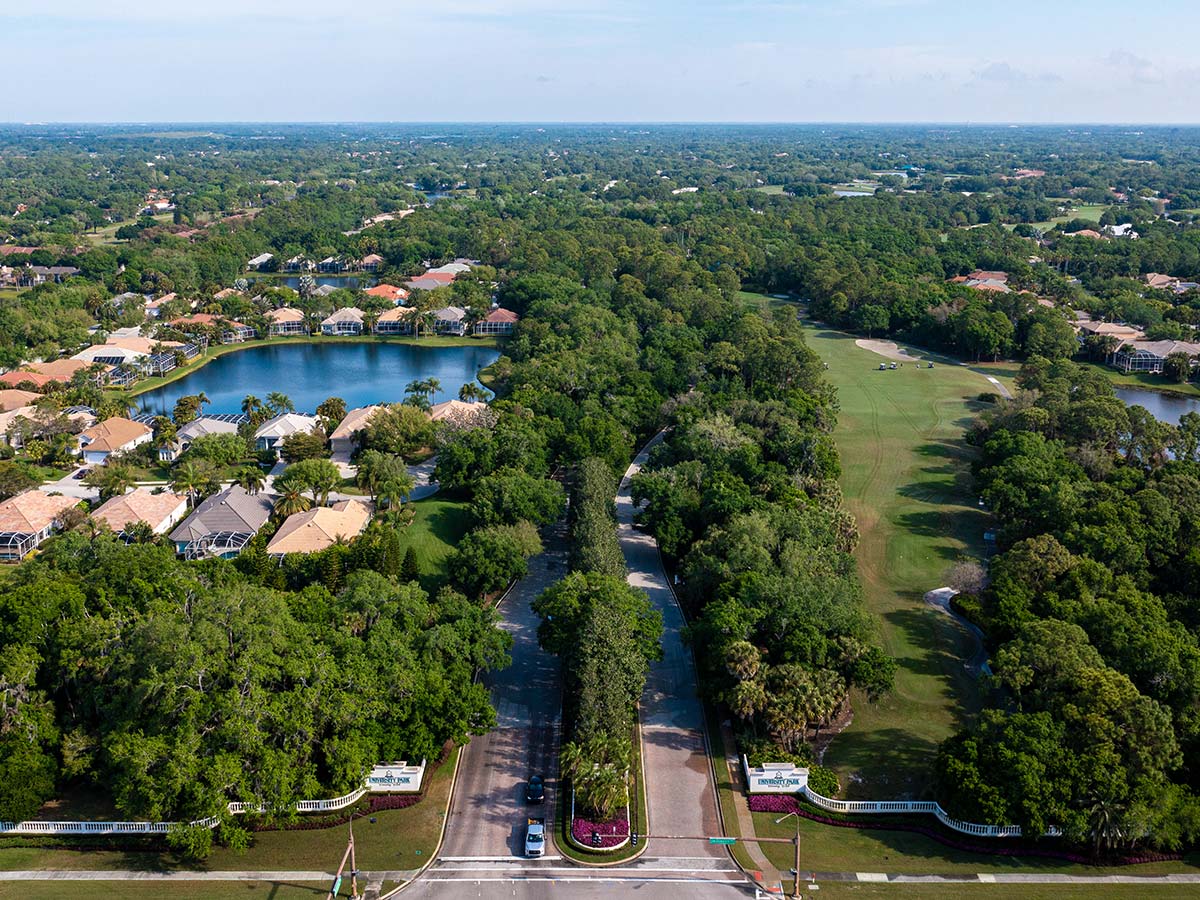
(601, 60)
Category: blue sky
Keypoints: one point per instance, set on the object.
(602, 60)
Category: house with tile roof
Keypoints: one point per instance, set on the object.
(222, 525)
(318, 529)
(397, 320)
(387, 292)
(1151, 356)
(498, 321)
(450, 320)
(28, 519)
(158, 510)
(286, 320)
(200, 427)
(347, 320)
(460, 414)
(115, 435)
(346, 437)
(13, 398)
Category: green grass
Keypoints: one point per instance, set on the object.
(179, 890)
(774, 189)
(212, 353)
(905, 478)
(826, 848)
(437, 527)
(1089, 212)
(1003, 891)
(108, 234)
(1143, 381)
(400, 839)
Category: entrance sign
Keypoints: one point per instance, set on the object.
(775, 778)
(395, 778)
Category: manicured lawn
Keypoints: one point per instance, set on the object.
(108, 234)
(436, 529)
(178, 890)
(826, 848)
(399, 839)
(1089, 212)
(906, 479)
(1145, 381)
(1004, 891)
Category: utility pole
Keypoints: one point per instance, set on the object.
(348, 855)
(796, 883)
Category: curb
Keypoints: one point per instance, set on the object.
(441, 834)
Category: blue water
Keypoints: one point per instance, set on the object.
(361, 374)
(1164, 407)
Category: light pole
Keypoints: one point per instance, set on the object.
(349, 854)
(796, 882)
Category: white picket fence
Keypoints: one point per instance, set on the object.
(880, 807)
(304, 806)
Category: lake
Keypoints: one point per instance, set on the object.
(1164, 407)
(359, 373)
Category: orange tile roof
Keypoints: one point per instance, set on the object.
(316, 529)
(30, 512)
(13, 398)
(139, 505)
(113, 434)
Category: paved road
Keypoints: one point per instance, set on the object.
(487, 815)
(679, 788)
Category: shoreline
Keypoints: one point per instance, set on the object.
(152, 384)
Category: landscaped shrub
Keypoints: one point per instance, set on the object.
(760, 750)
(824, 781)
(612, 832)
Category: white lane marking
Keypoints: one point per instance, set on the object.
(507, 859)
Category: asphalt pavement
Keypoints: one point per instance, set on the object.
(679, 788)
(488, 812)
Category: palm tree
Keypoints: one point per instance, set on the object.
(1106, 826)
(279, 402)
(251, 405)
(747, 700)
(472, 392)
(112, 480)
(251, 479)
(743, 660)
(187, 479)
(395, 490)
(291, 502)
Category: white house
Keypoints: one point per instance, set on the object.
(450, 320)
(270, 434)
(259, 261)
(348, 320)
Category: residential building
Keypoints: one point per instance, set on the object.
(1108, 329)
(31, 276)
(1161, 282)
(397, 320)
(450, 320)
(387, 292)
(331, 265)
(1087, 233)
(28, 519)
(318, 529)
(323, 290)
(156, 357)
(451, 268)
(237, 332)
(13, 398)
(1122, 231)
(8, 419)
(204, 425)
(498, 321)
(286, 320)
(226, 293)
(222, 525)
(460, 414)
(1149, 356)
(347, 436)
(259, 261)
(347, 320)
(299, 264)
(425, 283)
(115, 435)
(158, 510)
(371, 262)
(270, 434)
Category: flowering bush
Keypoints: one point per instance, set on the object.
(785, 803)
(612, 833)
(377, 803)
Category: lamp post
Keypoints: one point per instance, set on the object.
(796, 882)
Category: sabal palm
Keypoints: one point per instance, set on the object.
(395, 490)
(280, 402)
(187, 479)
(292, 502)
(251, 405)
(251, 479)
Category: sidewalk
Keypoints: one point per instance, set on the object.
(745, 821)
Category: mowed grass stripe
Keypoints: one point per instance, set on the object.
(905, 477)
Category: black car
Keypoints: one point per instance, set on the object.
(535, 789)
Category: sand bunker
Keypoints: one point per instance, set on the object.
(888, 349)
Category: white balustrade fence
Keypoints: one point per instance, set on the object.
(388, 778)
(766, 779)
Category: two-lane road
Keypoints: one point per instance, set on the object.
(488, 812)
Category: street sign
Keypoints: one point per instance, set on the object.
(722, 840)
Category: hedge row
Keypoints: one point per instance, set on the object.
(594, 545)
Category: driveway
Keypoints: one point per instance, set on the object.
(679, 788)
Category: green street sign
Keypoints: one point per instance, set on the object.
(722, 840)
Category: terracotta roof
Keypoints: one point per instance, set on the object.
(139, 505)
(355, 420)
(199, 319)
(458, 412)
(1086, 232)
(396, 314)
(285, 314)
(387, 291)
(316, 529)
(501, 315)
(988, 275)
(20, 376)
(30, 512)
(113, 434)
(1155, 280)
(8, 249)
(13, 398)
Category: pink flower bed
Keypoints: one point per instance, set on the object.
(377, 803)
(612, 833)
(784, 803)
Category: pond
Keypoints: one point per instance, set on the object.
(1164, 407)
(359, 373)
